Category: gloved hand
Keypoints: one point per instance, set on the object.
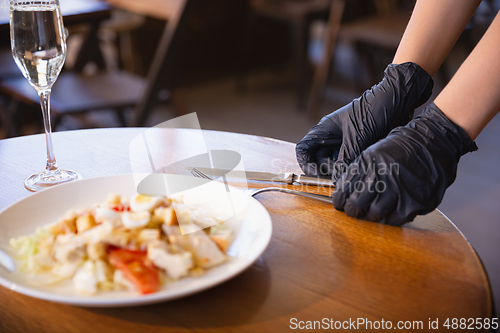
(405, 174)
(364, 121)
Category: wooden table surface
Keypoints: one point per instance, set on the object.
(320, 263)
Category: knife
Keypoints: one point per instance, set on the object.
(287, 177)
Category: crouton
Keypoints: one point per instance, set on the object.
(167, 214)
(66, 225)
(113, 199)
(85, 222)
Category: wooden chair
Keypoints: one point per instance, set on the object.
(75, 92)
(298, 14)
(383, 30)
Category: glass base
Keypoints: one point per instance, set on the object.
(46, 179)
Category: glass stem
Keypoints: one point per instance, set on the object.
(45, 103)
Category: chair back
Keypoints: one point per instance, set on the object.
(163, 72)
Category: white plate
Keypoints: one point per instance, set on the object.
(22, 218)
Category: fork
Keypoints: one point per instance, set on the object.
(254, 191)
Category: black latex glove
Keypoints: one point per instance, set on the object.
(405, 174)
(354, 127)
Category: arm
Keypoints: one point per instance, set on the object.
(472, 98)
(434, 28)
(423, 155)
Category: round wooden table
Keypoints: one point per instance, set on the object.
(321, 267)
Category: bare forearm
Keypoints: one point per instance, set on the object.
(434, 28)
(472, 98)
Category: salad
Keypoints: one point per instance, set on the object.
(121, 244)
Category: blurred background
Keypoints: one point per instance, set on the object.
(264, 67)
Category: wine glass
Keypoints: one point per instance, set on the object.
(38, 43)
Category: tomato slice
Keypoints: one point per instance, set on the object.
(136, 268)
(121, 208)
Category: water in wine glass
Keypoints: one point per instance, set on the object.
(39, 49)
(38, 41)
